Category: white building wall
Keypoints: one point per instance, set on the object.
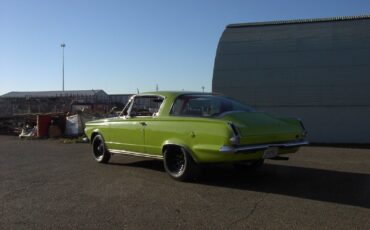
(319, 72)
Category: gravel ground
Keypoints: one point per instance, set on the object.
(45, 184)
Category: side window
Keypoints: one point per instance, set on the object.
(201, 106)
(145, 106)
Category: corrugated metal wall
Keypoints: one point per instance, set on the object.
(319, 72)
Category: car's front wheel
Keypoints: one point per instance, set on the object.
(100, 152)
(179, 164)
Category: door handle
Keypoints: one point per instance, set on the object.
(143, 123)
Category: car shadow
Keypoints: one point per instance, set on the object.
(317, 184)
(150, 164)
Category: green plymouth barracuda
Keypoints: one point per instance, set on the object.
(186, 129)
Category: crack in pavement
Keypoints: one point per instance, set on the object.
(251, 211)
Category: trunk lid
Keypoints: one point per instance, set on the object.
(256, 128)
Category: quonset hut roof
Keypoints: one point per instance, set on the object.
(299, 21)
(67, 93)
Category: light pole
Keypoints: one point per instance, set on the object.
(63, 45)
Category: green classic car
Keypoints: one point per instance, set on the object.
(186, 129)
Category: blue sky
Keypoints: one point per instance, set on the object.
(119, 46)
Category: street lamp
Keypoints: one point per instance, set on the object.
(63, 45)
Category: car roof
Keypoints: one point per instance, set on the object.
(170, 97)
(172, 93)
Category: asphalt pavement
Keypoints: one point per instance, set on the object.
(45, 184)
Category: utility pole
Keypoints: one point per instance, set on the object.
(63, 45)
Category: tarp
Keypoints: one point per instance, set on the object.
(74, 126)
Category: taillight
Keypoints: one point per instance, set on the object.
(235, 139)
(304, 131)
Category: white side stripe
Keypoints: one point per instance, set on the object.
(135, 154)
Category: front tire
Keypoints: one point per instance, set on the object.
(179, 164)
(100, 152)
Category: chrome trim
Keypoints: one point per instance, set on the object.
(127, 104)
(252, 148)
(136, 154)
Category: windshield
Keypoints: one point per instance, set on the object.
(206, 106)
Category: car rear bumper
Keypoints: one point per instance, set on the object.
(259, 147)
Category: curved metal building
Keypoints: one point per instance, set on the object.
(315, 69)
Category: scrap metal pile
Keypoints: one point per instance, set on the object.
(44, 125)
(49, 114)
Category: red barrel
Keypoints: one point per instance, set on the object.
(43, 123)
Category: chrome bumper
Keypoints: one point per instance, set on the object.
(254, 148)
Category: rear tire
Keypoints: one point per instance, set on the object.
(100, 152)
(179, 164)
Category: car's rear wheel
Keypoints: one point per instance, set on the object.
(100, 152)
(179, 164)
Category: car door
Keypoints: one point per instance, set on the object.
(153, 127)
(138, 116)
(127, 131)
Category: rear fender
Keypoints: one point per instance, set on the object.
(178, 143)
(94, 133)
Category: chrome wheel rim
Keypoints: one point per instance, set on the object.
(176, 162)
(99, 149)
